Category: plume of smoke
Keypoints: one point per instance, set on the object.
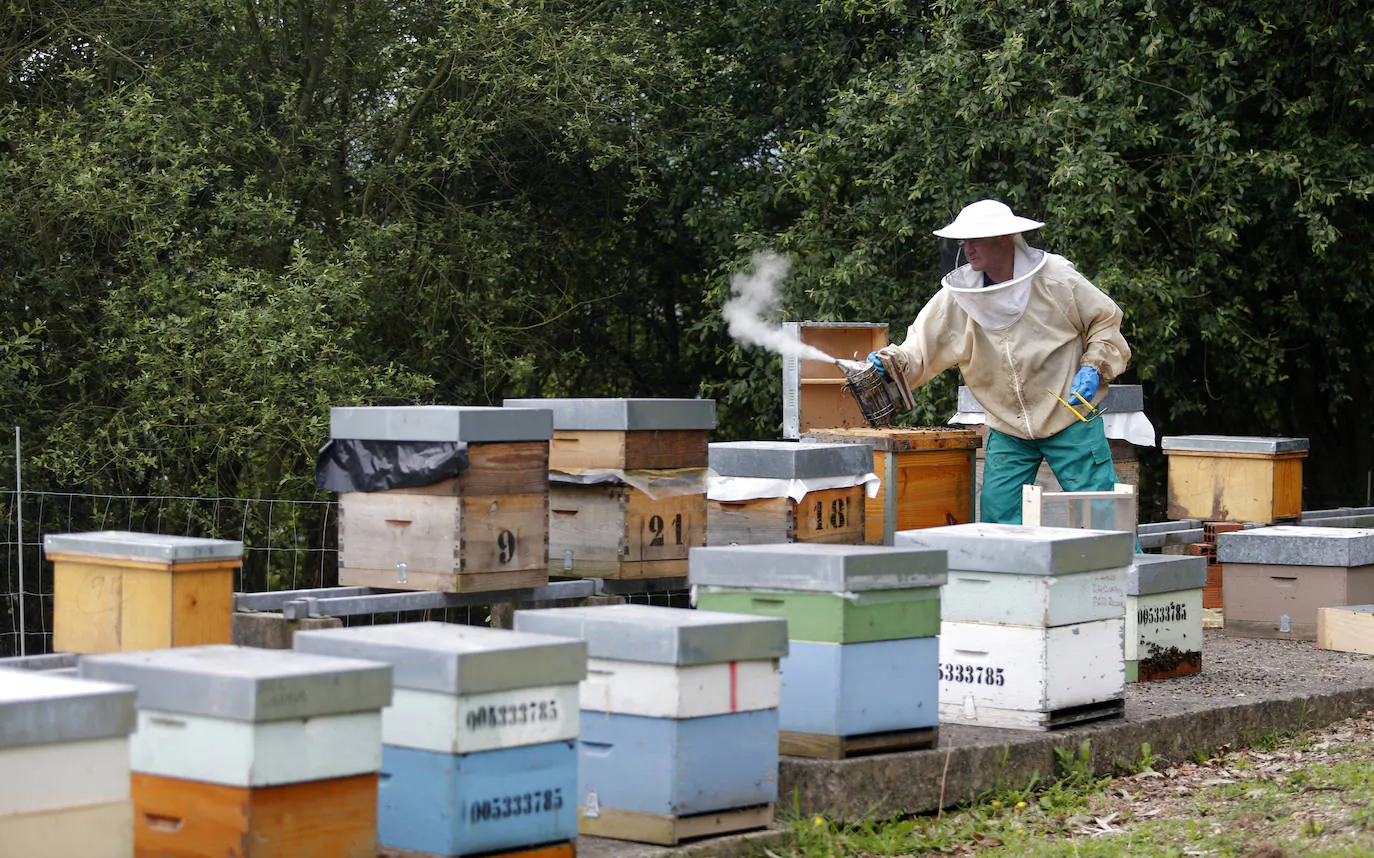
(754, 300)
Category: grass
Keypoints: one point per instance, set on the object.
(1285, 794)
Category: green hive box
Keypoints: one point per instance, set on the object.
(870, 615)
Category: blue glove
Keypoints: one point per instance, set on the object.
(873, 359)
(1085, 385)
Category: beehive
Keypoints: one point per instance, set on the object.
(765, 492)
(252, 752)
(64, 751)
(1164, 616)
(627, 434)
(485, 529)
(862, 620)
(479, 750)
(813, 391)
(685, 741)
(118, 591)
(1033, 623)
(1277, 578)
(927, 477)
(1234, 478)
(627, 497)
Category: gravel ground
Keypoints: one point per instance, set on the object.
(1243, 668)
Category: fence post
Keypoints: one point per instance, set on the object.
(19, 525)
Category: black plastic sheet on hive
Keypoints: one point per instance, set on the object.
(356, 465)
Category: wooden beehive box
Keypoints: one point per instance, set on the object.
(927, 477)
(627, 434)
(64, 751)
(117, 591)
(690, 759)
(477, 714)
(485, 529)
(1278, 578)
(252, 752)
(862, 620)
(1164, 616)
(1033, 623)
(1226, 478)
(620, 531)
(761, 492)
(813, 394)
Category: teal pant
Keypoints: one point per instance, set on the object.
(1080, 457)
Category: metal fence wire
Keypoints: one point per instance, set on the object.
(287, 545)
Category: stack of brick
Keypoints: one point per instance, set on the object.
(1207, 548)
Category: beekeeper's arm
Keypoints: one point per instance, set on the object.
(932, 342)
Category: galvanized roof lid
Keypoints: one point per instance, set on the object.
(456, 659)
(1165, 573)
(1232, 444)
(1295, 545)
(245, 683)
(625, 415)
(817, 567)
(1021, 550)
(789, 459)
(142, 546)
(676, 636)
(465, 423)
(37, 708)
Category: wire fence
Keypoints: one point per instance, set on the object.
(287, 545)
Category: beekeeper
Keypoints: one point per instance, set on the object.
(1024, 327)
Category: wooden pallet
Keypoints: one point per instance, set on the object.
(667, 830)
(566, 849)
(1018, 719)
(842, 747)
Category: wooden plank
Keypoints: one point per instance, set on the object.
(567, 849)
(671, 830)
(203, 607)
(507, 468)
(647, 449)
(1346, 628)
(843, 747)
(91, 831)
(439, 536)
(903, 440)
(146, 604)
(334, 818)
(445, 582)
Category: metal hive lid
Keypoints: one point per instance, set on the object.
(676, 636)
(624, 415)
(817, 567)
(37, 708)
(440, 423)
(245, 683)
(789, 459)
(1021, 550)
(456, 659)
(142, 546)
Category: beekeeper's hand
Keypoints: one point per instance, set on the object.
(877, 362)
(1085, 386)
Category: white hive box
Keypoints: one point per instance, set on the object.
(484, 529)
(461, 689)
(672, 773)
(64, 754)
(1033, 631)
(245, 717)
(1164, 616)
(1039, 577)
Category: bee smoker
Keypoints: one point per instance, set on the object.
(880, 395)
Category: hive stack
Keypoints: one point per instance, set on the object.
(479, 752)
(251, 752)
(118, 591)
(1033, 624)
(927, 477)
(627, 495)
(484, 528)
(860, 672)
(64, 754)
(1278, 578)
(766, 492)
(679, 719)
(1164, 616)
